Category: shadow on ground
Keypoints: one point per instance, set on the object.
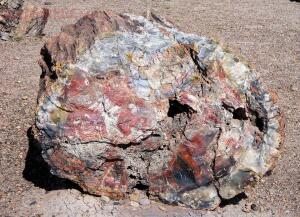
(37, 170)
(233, 201)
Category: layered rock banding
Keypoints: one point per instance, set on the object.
(19, 20)
(127, 103)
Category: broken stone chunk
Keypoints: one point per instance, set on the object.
(17, 20)
(128, 104)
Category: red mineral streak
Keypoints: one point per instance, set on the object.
(117, 90)
(88, 125)
(127, 120)
(82, 121)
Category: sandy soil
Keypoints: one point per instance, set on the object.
(266, 33)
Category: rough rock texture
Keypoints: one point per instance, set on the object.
(129, 103)
(17, 20)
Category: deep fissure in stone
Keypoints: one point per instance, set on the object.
(175, 108)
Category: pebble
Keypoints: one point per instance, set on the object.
(254, 207)
(105, 199)
(4, 36)
(294, 88)
(32, 203)
(135, 196)
(247, 207)
(48, 3)
(134, 204)
(162, 208)
(145, 201)
(2, 20)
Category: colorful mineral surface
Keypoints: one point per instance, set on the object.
(127, 103)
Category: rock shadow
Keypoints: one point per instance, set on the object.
(233, 201)
(37, 170)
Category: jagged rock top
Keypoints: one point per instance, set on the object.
(127, 102)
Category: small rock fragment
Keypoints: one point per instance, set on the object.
(254, 207)
(33, 203)
(144, 201)
(294, 88)
(48, 3)
(162, 208)
(134, 204)
(32, 21)
(5, 36)
(13, 4)
(105, 199)
(247, 207)
(135, 196)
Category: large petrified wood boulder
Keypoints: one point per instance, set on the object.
(126, 102)
(19, 20)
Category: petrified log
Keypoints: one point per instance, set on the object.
(17, 20)
(126, 102)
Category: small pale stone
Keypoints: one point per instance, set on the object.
(134, 204)
(105, 199)
(145, 201)
(5, 36)
(247, 208)
(135, 196)
(294, 88)
(162, 208)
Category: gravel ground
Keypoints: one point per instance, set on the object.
(266, 33)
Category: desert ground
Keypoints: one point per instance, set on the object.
(265, 33)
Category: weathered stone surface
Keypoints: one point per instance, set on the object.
(32, 21)
(129, 103)
(17, 20)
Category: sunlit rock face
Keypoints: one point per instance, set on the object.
(127, 102)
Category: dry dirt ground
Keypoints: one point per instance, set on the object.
(265, 32)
